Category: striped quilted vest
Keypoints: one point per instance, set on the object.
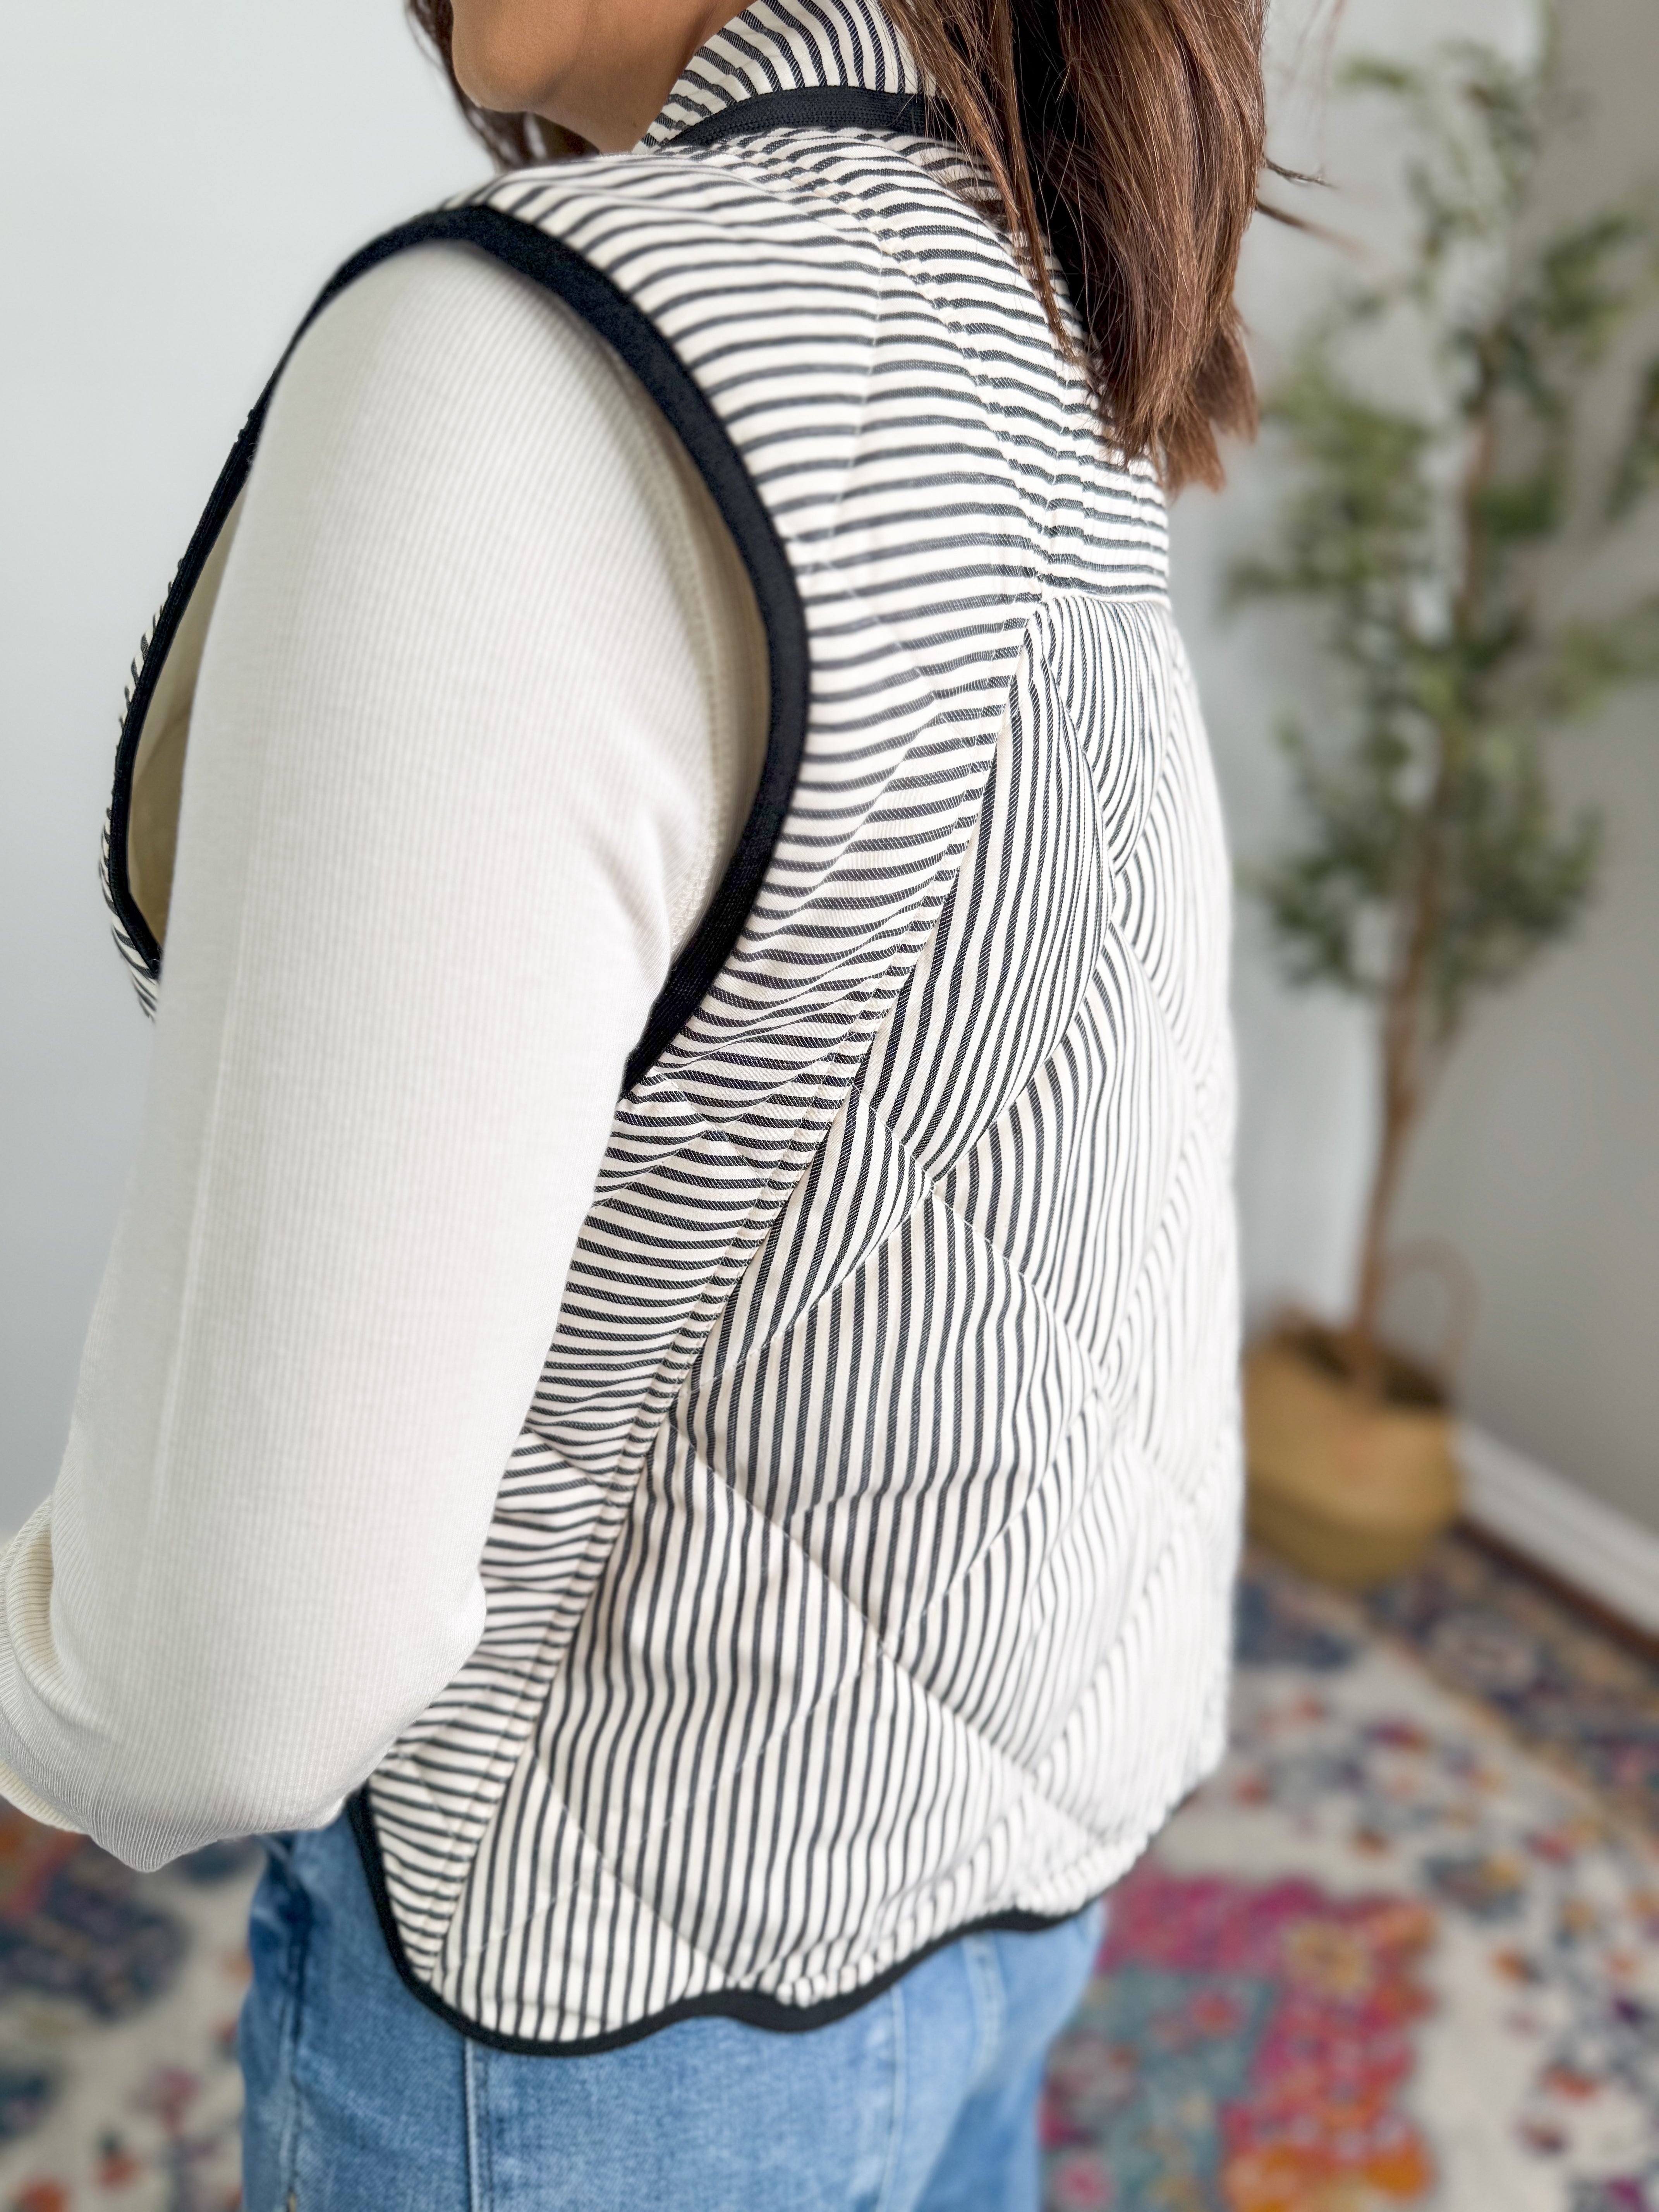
(860, 1575)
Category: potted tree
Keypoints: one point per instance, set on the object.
(1432, 864)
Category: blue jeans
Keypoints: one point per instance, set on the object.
(359, 2099)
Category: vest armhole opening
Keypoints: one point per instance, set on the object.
(642, 348)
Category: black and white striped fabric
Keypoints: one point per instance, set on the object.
(861, 1576)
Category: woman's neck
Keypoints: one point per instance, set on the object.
(600, 68)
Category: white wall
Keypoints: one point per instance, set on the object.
(1539, 1161)
(176, 180)
(1307, 1106)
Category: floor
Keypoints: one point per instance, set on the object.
(1403, 1951)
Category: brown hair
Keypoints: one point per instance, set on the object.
(1127, 133)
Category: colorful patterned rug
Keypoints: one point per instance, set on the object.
(1389, 1958)
(1402, 1952)
(118, 1994)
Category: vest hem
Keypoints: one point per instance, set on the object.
(752, 2008)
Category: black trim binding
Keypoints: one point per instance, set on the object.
(749, 2005)
(632, 335)
(188, 575)
(826, 107)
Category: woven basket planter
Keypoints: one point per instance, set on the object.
(1351, 1484)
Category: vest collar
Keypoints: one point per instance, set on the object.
(783, 46)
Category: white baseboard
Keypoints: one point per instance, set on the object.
(1599, 1550)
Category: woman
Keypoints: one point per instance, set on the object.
(686, 625)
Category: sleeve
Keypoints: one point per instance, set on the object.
(467, 756)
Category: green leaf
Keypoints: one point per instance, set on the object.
(1587, 660)
(1517, 512)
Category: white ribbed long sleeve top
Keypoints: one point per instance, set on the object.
(480, 713)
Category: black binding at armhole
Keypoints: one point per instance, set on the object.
(633, 335)
(824, 108)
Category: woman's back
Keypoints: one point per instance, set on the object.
(857, 1579)
(858, 1574)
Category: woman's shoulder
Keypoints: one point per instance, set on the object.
(442, 321)
(440, 367)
